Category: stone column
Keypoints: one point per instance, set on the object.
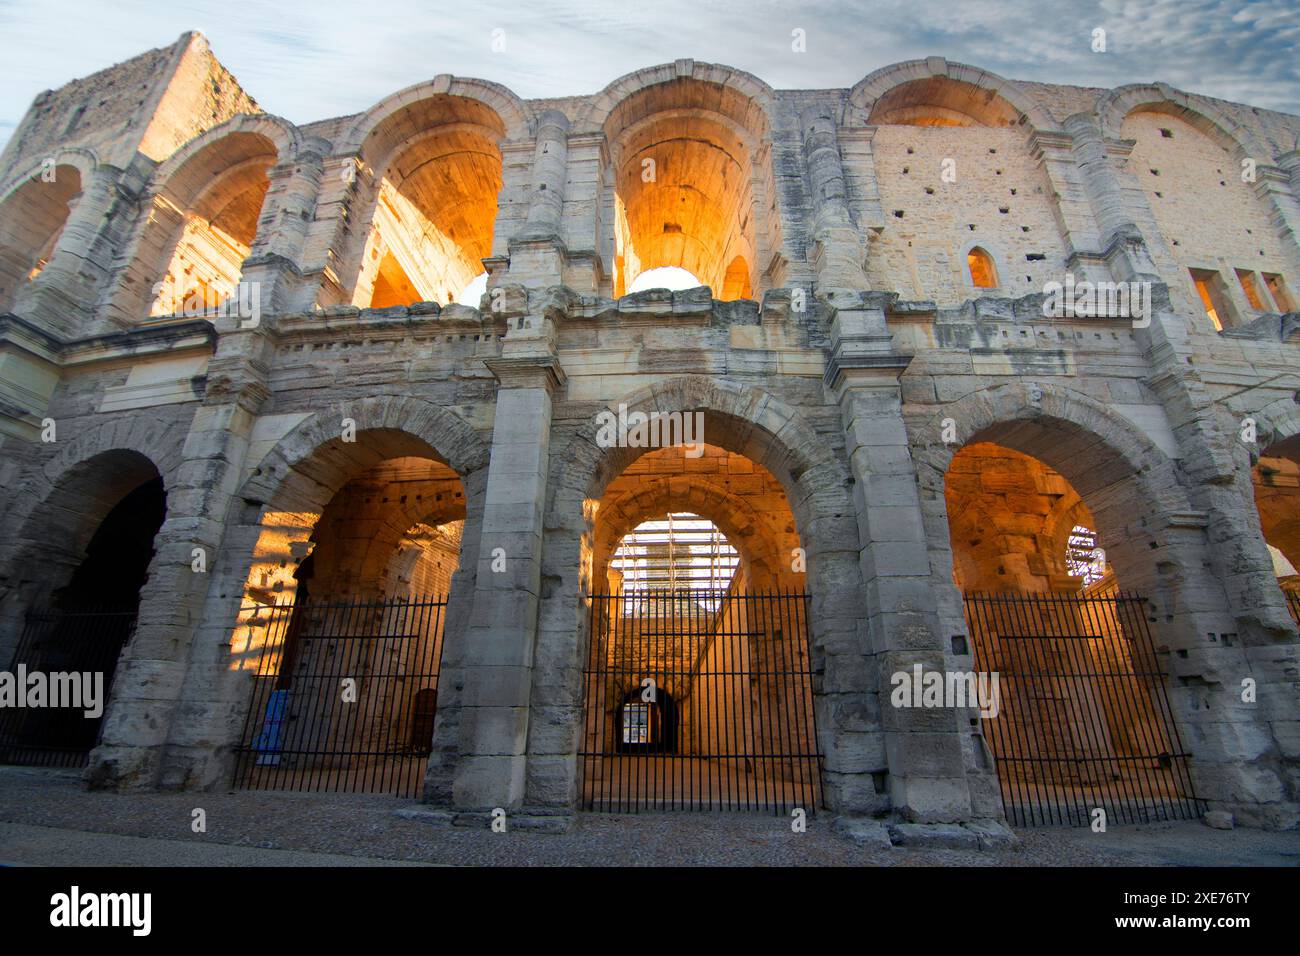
(146, 700)
(271, 269)
(838, 254)
(537, 252)
(938, 772)
(1121, 243)
(1055, 153)
(497, 662)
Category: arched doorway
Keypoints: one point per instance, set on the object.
(74, 631)
(698, 677)
(343, 623)
(1078, 718)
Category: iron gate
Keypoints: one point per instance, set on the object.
(344, 696)
(1083, 718)
(699, 700)
(81, 640)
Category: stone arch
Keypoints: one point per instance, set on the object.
(276, 508)
(160, 442)
(1004, 102)
(747, 421)
(1276, 422)
(1185, 156)
(1273, 507)
(63, 501)
(85, 161)
(515, 117)
(606, 104)
(282, 134)
(1133, 489)
(199, 217)
(710, 205)
(925, 112)
(1068, 415)
(758, 425)
(288, 473)
(1114, 106)
(432, 175)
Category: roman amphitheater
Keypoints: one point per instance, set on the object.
(307, 444)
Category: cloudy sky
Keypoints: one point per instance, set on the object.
(309, 61)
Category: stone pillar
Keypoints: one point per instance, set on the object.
(271, 269)
(938, 772)
(838, 254)
(537, 252)
(147, 689)
(1121, 242)
(497, 663)
(1074, 214)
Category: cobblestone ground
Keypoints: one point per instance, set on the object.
(47, 818)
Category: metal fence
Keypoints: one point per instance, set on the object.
(85, 640)
(699, 700)
(344, 696)
(1083, 717)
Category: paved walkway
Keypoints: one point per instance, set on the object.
(22, 845)
(47, 818)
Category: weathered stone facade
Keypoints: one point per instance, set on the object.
(845, 356)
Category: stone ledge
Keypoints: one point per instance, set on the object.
(532, 820)
(986, 835)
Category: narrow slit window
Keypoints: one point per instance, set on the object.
(1251, 288)
(1278, 290)
(1209, 286)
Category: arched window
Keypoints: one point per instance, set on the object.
(983, 274)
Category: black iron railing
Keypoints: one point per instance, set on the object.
(83, 640)
(699, 700)
(1293, 605)
(344, 695)
(1083, 718)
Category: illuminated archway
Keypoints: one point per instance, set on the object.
(692, 182)
(432, 203)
